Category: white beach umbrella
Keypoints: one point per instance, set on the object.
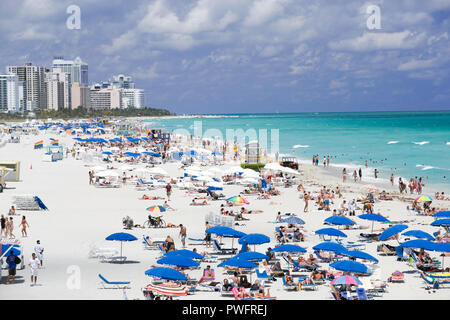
(204, 178)
(249, 173)
(215, 184)
(273, 166)
(289, 170)
(249, 181)
(233, 170)
(107, 173)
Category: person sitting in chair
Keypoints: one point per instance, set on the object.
(208, 273)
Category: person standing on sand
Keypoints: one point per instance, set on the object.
(39, 250)
(208, 236)
(305, 198)
(91, 177)
(392, 179)
(355, 176)
(3, 226)
(11, 228)
(34, 266)
(168, 191)
(183, 235)
(344, 175)
(360, 174)
(24, 224)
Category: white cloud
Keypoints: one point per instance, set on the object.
(380, 41)
(418, 64)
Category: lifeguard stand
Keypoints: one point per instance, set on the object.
(252, 153)
(57, 152)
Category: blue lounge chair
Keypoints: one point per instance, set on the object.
(221, 250)
(346, 296)
(289, 286)
(113, 284)
(263, 275)
(300, 267)
(361, 292)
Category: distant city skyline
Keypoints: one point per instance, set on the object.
(243, 56)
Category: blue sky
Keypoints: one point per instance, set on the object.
(238, 56)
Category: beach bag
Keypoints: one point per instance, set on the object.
(17, 260)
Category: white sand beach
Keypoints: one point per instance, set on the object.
(81, 215)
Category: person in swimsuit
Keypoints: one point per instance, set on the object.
(3, 226)
(24, 224)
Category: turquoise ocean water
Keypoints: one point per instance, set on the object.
(404, 143)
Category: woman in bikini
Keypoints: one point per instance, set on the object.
(24, 224)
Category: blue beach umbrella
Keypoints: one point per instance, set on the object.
(107, 153)
(441, 223)
(251, 255)
(373, 217)
(441, 214)
(179, 261)
(361, 255)
(254, 238)
(418, 234)
(185, 253)
(288, 248)
(293, 220)
(225, 232)
(238, 263)
(339, 221)
(331, 232)
(121, 236)
(350, 266)
(330, 246)
(166, 273)
(392, 231)
(419, 244)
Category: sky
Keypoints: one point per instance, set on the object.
(242, 56)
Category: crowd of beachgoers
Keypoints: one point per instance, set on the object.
(214, 230)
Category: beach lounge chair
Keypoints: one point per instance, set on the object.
(322, 258)
(263, 275)
(386, 249)
(221, 250)
(289, 287)
(235, 292)
(113, 284)
(147, 246)
(309, 286)
(300, 267)
(346, 295)
(435, 280)
(361, 292)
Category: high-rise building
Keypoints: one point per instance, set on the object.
(80, 96)
(133, 98)
(105, 98)
(77, 69)
(10, 94)
(33, 79)
(122, 82)
(55, 91)
(66, 79)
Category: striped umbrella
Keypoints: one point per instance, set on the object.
(168, 289)
(238, 199)
(423, 198)
(156, 209)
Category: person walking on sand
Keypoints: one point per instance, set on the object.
(3, 227)
(207, 236)
(39, 250)
(355, 176)
(12, 262)
(392, 179)
(10, 228)
(344, 175)
(24, 224)
(183, 235)
(305, 198)
(168, 191)
(34, 267)
(360, 174)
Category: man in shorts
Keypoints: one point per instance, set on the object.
(183, 235)
(168, 191)
(34, 266)
(12, 264)
(39, 250)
